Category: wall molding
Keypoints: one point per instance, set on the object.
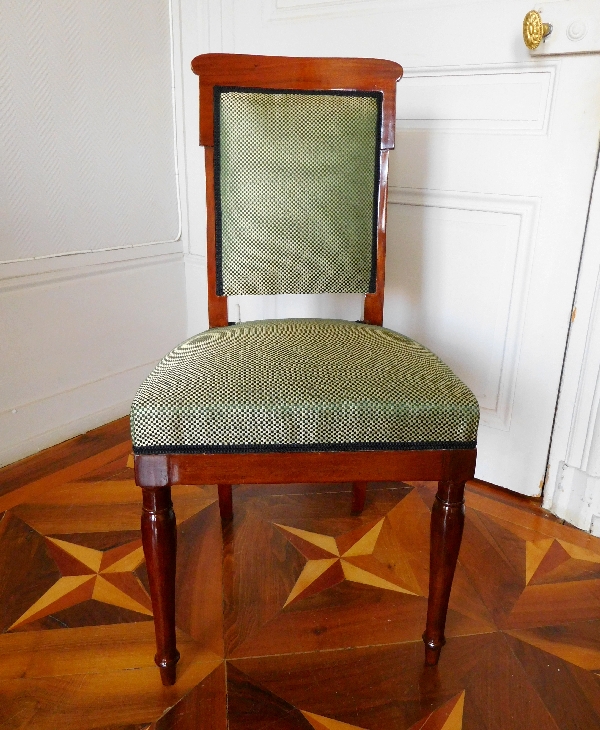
(84, 327)
(63, 432)
(23, 274)
(219, 16)
(526, 212)
(87, 337)
(89, 166)
(577, 498)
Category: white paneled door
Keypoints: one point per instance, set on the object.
(490, 187)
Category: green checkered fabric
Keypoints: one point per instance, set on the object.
(301, 384)
(296, 190)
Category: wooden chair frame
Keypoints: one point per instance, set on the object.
(155, 474)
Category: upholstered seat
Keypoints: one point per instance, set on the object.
(301, 385)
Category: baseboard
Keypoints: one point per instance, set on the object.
(44, 423)
(576, 499)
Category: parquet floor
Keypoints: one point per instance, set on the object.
(298, 616)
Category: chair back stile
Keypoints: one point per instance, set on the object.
(287, 74)
(217, 305)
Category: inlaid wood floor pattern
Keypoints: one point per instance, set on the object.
(296, 616)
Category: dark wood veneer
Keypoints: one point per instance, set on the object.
(306, 466)
(286, 72)
(217, 305)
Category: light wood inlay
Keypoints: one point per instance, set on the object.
(358, 575)
(108, 593)
(323, 541)
(311, 571)
(326, 723)
(64, 593)
(366, 544)
(586, 657)
(535, 552)
(580, 553)
(127, 563)
(89, 557)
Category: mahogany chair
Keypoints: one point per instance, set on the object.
(296, 184)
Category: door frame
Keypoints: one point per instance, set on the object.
(572, 485)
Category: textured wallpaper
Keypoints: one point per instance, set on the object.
(86, 126)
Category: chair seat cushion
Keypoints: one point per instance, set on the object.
(301, 385)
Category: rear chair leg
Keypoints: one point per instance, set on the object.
(359, 494)
(225, 501)
(447, 522)
(159, 537)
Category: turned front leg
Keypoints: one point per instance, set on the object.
(447, 522)
(159, 536)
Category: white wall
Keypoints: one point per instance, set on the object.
(191, 24)
(102, 227)
(92, 278)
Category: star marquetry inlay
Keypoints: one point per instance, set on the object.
(549, 559)
(447, 717)
(91, 574)
(369, 555)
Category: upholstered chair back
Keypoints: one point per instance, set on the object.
(296, 176)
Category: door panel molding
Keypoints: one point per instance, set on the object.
(502, 99)
(276, 10)
(511, 222)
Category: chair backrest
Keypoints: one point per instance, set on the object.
(296, 162)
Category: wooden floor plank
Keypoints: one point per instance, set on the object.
(87, 650)
(99, 507)
(204, 708)
(267, 638)
(577, 643)
(56, 478)
(86, 701)
(533, 521)
(574, 699)
(66, 454)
